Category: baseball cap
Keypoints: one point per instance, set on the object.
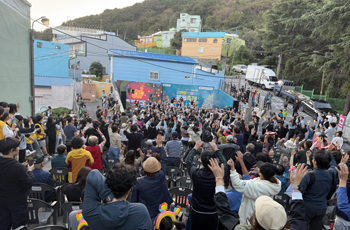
(227, 132)
(149, 142)
(39, 160)
(175, 134)
(229, 138)
(269, 213)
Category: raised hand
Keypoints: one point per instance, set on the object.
(231, 163)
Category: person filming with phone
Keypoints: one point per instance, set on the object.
(18, 179)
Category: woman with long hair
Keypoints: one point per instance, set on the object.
(195, 133)
(5, 130)
(73, 191)
(292, 125)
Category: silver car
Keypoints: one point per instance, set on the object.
(240, 68)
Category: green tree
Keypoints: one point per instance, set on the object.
(212, 22)
(331, 22)
(176, 42)
(45, 35)
(294, 41)
(96, 68)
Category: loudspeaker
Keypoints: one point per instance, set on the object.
(123, 98)
(235, 105)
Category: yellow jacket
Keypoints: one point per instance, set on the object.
(76, 159)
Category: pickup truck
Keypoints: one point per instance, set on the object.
(286, 89)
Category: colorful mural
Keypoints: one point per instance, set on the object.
(203, 96)
(141, 91)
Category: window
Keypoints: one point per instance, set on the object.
(202, 40)
(78, 65)
(166, 36)
(183, 15)
(104, 70)
(200, 49)
(72, 66)
(153, 75)
(192, 30)
(228, 41)
(190, 39)
(58, 47)
(39, 44)
(215, 40)
(183, 20)
(193, 20)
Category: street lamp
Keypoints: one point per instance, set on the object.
(325, 55)
(45, 21)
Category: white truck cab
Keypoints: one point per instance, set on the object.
(263, 77)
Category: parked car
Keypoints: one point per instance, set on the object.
(314, 106)
(240, 68)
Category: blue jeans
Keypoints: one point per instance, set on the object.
(109, 119)
(113, 152)
(253, 101)
(30, 147)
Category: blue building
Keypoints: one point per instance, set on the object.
(51, 59)
(159, 68)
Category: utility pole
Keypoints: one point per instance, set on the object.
(279, 64)
(101, 24)
(75, 66)
(323, 76)
(124, 35)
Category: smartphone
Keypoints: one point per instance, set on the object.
(206, 146)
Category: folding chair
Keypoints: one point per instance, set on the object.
(179, 196)
(40, 212)
(69, 207)
(38, 191)
(184, 182)
(51, 227)
(171, 174)
(110, 163)
(60, 175)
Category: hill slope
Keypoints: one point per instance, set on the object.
(152, 15)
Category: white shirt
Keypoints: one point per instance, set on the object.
(339, 139)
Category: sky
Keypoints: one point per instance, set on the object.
(58, 11)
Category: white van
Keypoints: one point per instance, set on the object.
(263, 77)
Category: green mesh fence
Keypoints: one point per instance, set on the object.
(319, 97)
(299, 88)
(309, 93)
(337, 103)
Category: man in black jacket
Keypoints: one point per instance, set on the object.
(16, 179)
(296, 106)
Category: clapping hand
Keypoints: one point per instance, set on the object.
(343, 174)
(345, 158)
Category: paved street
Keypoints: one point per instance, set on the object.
(277, 102)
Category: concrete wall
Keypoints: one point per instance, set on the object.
(166, 37)
(51, 59)
(15, 53)
(56, 96)
(101, 86)
(128, 69)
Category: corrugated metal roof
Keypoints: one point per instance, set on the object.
(203, 34)
(48, 81)
(151, 56)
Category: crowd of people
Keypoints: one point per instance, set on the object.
(246, 161)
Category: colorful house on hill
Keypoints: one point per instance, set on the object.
(191, 23)
(166, 38)
(157, 77)
(202, 45)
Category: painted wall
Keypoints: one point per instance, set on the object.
(94, 53)
(128, 69)
(56, 96)
(210, 49)
(15, 54)
(102, 86)
(51, 59)
(140, 91)
(203, 96)
(166, 37)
